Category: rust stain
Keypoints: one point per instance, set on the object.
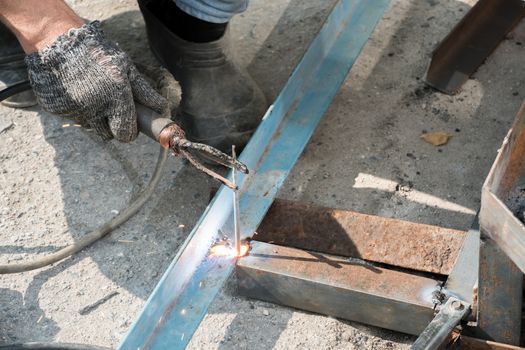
(346, 233)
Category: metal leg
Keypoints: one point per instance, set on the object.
(471, 42)
(438, 331)
(499, 295)
(463, 278)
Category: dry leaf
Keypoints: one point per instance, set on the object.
(436, 138)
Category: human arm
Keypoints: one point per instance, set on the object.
(38, 23)
(75, 71)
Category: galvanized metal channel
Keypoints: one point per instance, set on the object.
(351, 289)
(180, 300)
(463, 278)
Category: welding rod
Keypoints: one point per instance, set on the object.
(236, 219)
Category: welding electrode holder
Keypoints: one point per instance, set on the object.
(169, 135)
(157, 128)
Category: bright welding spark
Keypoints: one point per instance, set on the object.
(224, 250)
(221, 250)
(245, 248)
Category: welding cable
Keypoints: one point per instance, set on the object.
(14, 89)
(100, 232)
(51, 346)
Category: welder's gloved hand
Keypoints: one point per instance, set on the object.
(85, 77)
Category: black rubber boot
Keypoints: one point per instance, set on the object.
(221, 104)
(13, 69)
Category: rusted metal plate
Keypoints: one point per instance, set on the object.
(471, 42)
(507, 174)
(337, 287)
(468, 343)
(373, 238)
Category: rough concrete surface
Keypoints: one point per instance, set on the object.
(57, 182)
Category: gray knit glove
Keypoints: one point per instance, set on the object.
(85, 77)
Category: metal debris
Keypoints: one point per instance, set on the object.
(91, 307)
(5, 125)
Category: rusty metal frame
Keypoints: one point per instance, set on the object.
(307, 278)
(347, 287)
(482, 276)
(495, 300)
(343, 287)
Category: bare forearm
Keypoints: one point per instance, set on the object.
(37, 23)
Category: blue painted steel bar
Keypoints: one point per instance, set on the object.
(180, 300)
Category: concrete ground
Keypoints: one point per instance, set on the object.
(58, 182)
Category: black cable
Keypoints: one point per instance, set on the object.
(98, 233)
(87, 240)
(14, 89)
